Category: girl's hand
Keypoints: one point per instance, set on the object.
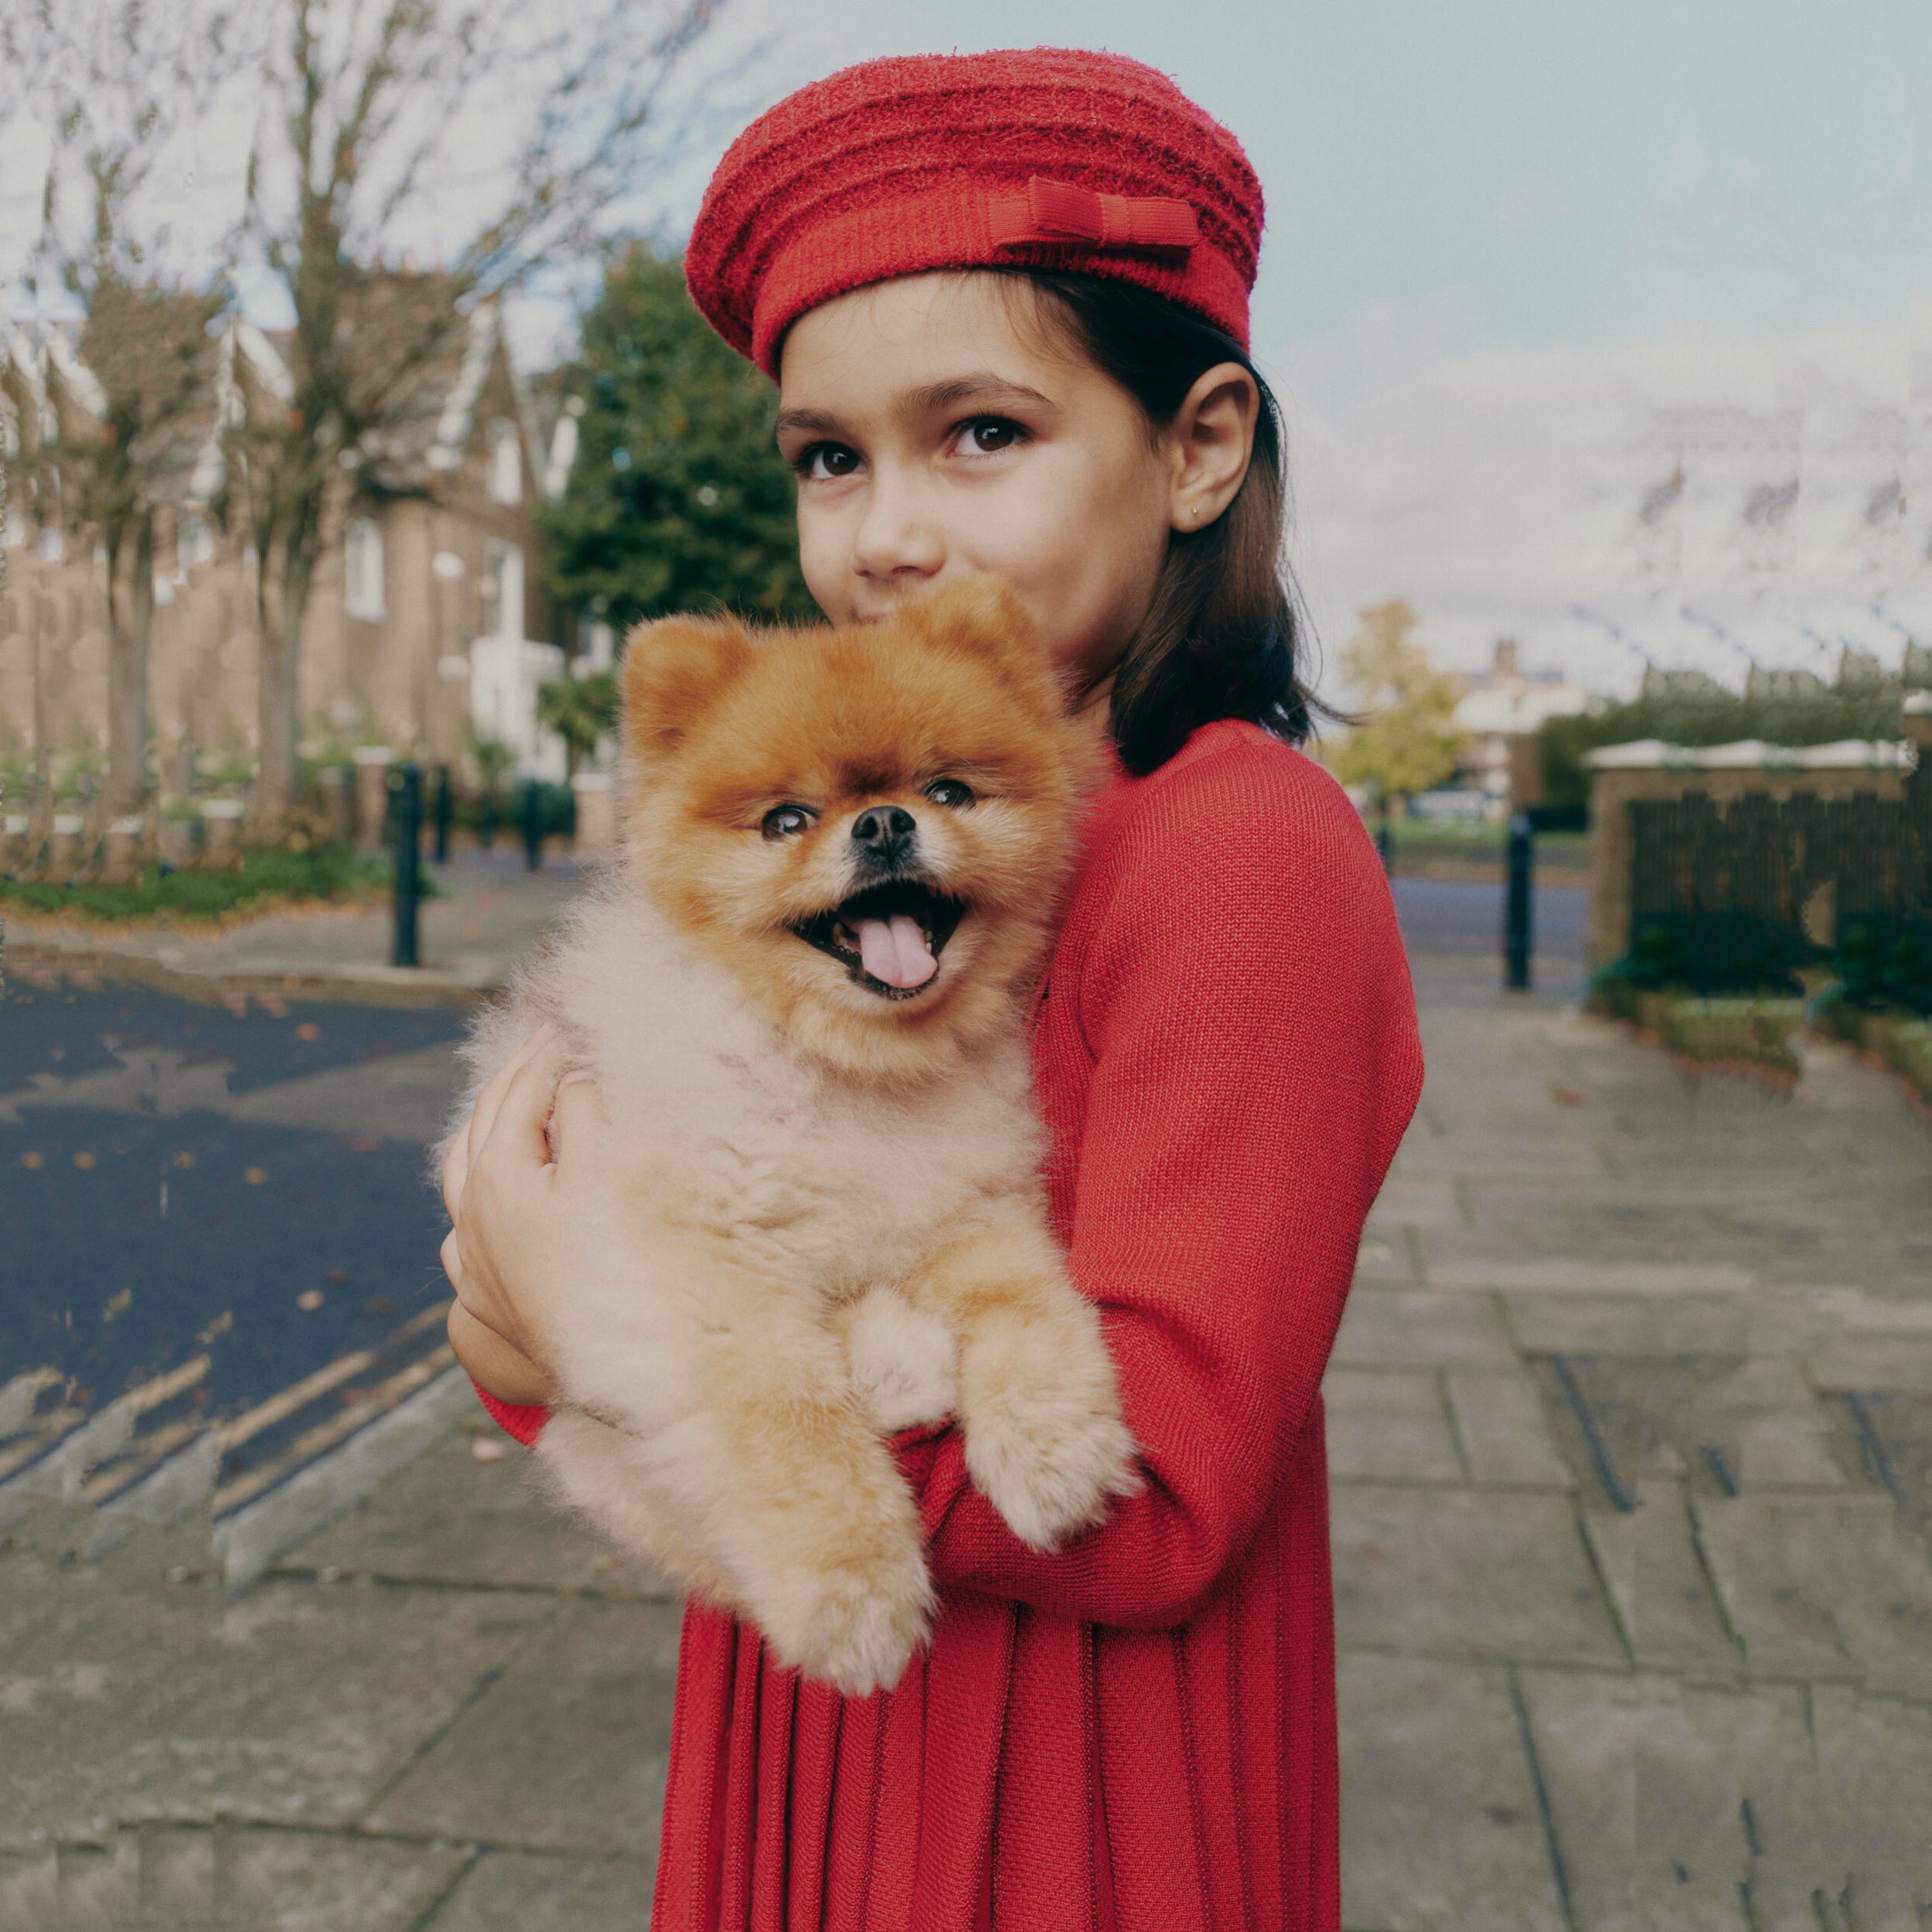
(508, 1185)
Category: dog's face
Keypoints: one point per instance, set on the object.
(869, 827)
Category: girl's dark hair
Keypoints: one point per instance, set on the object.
(1222, 638)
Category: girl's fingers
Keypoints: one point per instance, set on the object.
(517, 1126)
(483, 1116)
(455, 1171)
(576, 1119)
(494, 1364)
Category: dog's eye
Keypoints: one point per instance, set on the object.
(949, 791)
(783, 820)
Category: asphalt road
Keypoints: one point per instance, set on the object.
(174, 1176)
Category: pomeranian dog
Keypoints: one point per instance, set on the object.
(802, 991)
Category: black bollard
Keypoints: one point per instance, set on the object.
(1516, 904)
(444, 808)
(486, 816)
(406, 816)
(533, 825)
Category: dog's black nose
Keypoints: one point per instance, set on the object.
(884, 834)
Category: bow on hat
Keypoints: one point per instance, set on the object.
(1049, 211)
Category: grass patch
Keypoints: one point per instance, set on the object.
(265, 877)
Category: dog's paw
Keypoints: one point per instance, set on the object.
(904, 1364)
(853, 1625)
(1048, 1464)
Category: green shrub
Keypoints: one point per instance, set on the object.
(1885, 962)
(265, 876)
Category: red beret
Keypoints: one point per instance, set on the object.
(1055, 158)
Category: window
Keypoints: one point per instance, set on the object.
(506, 463)
(503, 595)
(362, 570)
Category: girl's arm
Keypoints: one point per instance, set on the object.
(1247, 1004)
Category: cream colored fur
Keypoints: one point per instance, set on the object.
(796, 1260)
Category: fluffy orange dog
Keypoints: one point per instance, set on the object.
(802, 995)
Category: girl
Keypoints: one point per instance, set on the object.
(1005, 300)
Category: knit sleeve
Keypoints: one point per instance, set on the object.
(523, 1420)
(1246, 1003)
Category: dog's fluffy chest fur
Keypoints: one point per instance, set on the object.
(835, 1185)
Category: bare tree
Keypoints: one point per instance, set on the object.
(114, 83)
(482, 141)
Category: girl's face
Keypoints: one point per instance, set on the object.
(934, 436)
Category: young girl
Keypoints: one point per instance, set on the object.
(1005, 300)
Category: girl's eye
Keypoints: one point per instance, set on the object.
(784, 821)
(987, 435)
(949, 791)
(823, 462)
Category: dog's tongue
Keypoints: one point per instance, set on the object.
(895, 951)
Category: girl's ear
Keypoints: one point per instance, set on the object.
(1212, 442)
(983, 617)
(674, 671)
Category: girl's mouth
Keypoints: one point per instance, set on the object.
(889, 937)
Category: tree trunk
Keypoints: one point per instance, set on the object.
(284, 592)
(130, 612)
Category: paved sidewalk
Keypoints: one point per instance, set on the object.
(1630, 1424)
(1630, 1421)
(490, 913)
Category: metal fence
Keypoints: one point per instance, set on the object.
(1739, 893)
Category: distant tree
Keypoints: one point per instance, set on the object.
(678, 496)
(497, 141)
(1408, 741)
(114, 84)
(580, 711)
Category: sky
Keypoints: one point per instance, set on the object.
(1504, 239)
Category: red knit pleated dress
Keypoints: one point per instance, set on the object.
(1137, 1733)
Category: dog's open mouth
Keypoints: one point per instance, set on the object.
(889, 936)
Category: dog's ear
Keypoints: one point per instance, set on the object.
(983, 616)
(673, 669)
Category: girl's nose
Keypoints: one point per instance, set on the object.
(894, 540)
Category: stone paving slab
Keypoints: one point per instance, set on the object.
(1412, 1327)
(1390, 1425)
(1506, 1439)
(515, 1891)
(295, 1703)
(567, 1748)
(1670, 1614)
(1466, 1573)
(171, 1879)
(1441, 1826)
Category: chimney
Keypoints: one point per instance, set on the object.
(1505, 664)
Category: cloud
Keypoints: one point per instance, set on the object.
(1694, 501)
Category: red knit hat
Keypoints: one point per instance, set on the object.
(1056, 157)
